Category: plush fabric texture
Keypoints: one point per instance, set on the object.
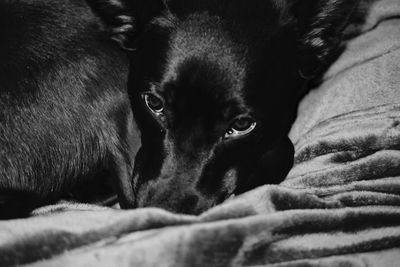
(339, 206)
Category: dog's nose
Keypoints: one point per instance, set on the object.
(173, 201)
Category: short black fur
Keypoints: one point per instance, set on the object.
(65, 116)
(210, 62)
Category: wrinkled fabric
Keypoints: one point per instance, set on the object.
(366, 75)
(339, 206)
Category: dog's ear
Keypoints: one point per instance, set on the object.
(320, 25)
(125, 18)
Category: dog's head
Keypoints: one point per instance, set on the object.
(214, 85)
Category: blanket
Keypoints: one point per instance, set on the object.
(339, 206)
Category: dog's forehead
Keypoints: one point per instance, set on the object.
(205, 67)
(230, 9)
(201, 40)
(199, 86)
(228, 38)
(245, 22)
(208, 55)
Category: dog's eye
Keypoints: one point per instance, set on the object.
(153, 102)
(240, 126)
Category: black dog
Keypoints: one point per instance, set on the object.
(65, 116)
(214, 86)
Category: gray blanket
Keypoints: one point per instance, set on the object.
(339, 206)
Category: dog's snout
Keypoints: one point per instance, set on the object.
(188, 205)
(188, 202)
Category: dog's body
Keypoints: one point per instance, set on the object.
(65, 116)
(214, 85)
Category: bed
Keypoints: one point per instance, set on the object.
(339, 205)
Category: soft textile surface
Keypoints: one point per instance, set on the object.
(340, 205)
